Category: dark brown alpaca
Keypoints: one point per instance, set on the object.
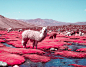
(52, 35)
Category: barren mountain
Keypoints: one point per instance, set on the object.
(80, 23)
(25, 23)
(50, 22)
(45, 22)
(7, 23)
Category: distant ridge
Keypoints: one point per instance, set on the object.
(44, 22)
(80, 23)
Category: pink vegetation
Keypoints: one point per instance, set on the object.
(75, 65)
(1, 45)
(37, 58)
(71, 54)
(11, 59)
(46, 45)
(20, 50)
(81, 50)
(1, 40)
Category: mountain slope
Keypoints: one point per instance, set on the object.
(7, 23)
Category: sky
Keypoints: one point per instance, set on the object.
(59, 10)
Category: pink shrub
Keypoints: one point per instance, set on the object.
(71, 54)
(11, 59)
(37, 58)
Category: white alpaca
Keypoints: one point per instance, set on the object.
(19, 30)
(68, 34)
(35, 36)
(9, 29)
(80, 33)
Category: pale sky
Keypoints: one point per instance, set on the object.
(59, 10)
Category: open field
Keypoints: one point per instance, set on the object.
(65, 49)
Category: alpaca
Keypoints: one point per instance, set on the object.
(80, 33)
(35, 36)
(9, 29)
(52, 34)
(68, 34)
(73, 33)
(19, 30)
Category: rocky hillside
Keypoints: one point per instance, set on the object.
(7, 23)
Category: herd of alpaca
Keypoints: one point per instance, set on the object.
(10, 29)
(73, 33)
(35, 36)
(38, 36)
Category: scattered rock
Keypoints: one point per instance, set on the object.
(3, 64)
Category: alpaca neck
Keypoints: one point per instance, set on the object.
(41, 34)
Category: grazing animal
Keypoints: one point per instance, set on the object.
(68, 34)
(52, 35)
(82, 34)
(19, 30)
(9, 29)
(35, 36)
(73, 33)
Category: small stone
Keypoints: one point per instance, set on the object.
(3, 63)
(52, 49)
(15, 66)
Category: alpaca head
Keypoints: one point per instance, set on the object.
(44, 29)
(9, 29)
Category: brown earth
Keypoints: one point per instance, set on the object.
(12, 23)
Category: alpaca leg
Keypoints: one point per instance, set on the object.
(51, 37)
(36, 44)
(33, 43)
(54, 36)
(24, 43)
